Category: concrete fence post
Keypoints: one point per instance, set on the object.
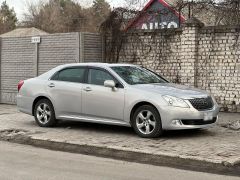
(103, 48)
(0, 70)
(189, 51)
(77, 47)
(81, 46)
(35, 68)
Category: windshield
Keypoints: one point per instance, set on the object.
(137, 75)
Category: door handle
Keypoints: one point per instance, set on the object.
(51, 85)
(87, 89)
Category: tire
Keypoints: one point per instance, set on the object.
(44, 113)
(146, 122)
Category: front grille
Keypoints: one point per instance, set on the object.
(198, 121)
(202, 103)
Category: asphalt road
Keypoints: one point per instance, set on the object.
(22, 162)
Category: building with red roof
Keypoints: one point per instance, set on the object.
(157, 14)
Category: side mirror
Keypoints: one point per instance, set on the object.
(109, 83)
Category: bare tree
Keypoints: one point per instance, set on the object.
(211, 12)
(66, 15)
(97, 14)
(229, 11)
(55, 16)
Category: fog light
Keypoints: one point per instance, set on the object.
(176, 122)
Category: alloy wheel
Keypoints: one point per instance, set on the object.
(145, 122)
(43, 113)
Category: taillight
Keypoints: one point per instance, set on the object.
(20, 85)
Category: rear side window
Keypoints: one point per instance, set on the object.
(70, 75)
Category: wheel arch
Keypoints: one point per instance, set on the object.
(139, 104)
(38, 99)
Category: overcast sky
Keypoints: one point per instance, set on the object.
(20, 5)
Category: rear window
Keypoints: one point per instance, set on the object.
(70, 75)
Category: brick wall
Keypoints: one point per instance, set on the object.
(204, 57)
(20, 59)
(144, 49)
(219, 64)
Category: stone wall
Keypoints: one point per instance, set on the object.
(204, 57)
(218, 68)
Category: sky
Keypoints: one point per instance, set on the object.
(20, 5)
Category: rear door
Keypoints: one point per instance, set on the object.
(65, 89)
(100, 101)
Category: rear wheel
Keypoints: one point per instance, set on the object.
(44, 113)
(146, 122)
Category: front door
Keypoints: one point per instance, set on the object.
(99, 101)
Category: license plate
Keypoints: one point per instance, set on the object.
(208, 116)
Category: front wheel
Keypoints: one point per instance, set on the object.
(146, 122)
(44, 113)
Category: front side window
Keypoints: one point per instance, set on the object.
(70, 75)
(97, 77)
(136, 75)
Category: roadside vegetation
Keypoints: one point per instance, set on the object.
(66, 16)
(8, 18)
(56, 16)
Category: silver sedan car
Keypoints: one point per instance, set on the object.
(116, 94)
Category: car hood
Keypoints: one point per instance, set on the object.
(176, 90)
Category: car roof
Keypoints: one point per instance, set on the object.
(98, 64)
(48, 74)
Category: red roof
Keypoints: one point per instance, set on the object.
(164, 3)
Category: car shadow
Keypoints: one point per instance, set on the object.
(129, 131)
(95, 127)
(189, 133)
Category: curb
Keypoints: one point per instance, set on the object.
(125, 155)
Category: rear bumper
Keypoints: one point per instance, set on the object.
(24, 104)
(175, 118)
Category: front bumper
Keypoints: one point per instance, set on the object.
(176, 118)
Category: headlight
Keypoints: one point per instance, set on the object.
(174, 101)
